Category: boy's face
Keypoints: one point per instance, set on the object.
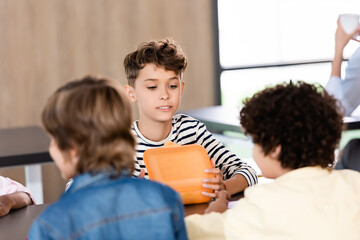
(65, 162)
(157, 93)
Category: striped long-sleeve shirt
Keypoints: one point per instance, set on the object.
(187, 130)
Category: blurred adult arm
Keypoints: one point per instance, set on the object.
(347, 90)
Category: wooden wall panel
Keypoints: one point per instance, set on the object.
(44, 43)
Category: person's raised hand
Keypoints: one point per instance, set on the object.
(342, 38)
(357, 31)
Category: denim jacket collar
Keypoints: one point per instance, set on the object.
(91, 178)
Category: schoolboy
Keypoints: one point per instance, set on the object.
(154, 73)
(295, 128)
(89, 123)
(13, 195)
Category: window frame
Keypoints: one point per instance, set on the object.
(219, 69)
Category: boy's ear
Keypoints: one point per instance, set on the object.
(275, 153)
(182, 85)
(129, 90)
(73, 152)
(74, 155)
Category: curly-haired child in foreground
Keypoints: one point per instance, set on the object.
(89, 123)
(295, 128)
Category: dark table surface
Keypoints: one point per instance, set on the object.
(17, 223)
(352, 123)
(23, 146)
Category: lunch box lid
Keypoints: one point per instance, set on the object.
(181, 167)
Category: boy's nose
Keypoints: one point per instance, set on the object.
(164, 95)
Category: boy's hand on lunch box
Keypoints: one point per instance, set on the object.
(216, 183)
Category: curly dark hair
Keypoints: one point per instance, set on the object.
(163, 53)
(93, 115)
(302, 118)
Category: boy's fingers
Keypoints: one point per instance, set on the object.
(212, 195)
(213, 162)
(211, 180)
(213, 170)
(211, 186)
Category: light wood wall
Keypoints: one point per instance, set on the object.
(45, 43)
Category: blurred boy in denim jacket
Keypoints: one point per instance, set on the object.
(89, 123)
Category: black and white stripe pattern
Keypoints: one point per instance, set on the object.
(187, 130)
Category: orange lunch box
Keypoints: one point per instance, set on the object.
(180, 167)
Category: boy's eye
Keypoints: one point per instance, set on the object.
(151, 87)
(173, 86)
